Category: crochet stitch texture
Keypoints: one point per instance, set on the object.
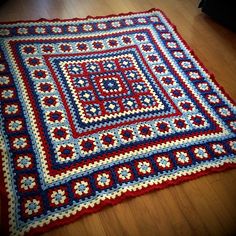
(100, 109)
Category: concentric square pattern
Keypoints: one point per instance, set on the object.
(107, 86)
(95, 110)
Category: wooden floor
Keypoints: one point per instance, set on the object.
(206, 206)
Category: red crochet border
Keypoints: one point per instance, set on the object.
(72, 218)
(82, 19)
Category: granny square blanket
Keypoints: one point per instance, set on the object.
(96, 110)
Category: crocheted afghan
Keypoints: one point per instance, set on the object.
(99, 109)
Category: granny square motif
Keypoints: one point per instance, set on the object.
(99, 109)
